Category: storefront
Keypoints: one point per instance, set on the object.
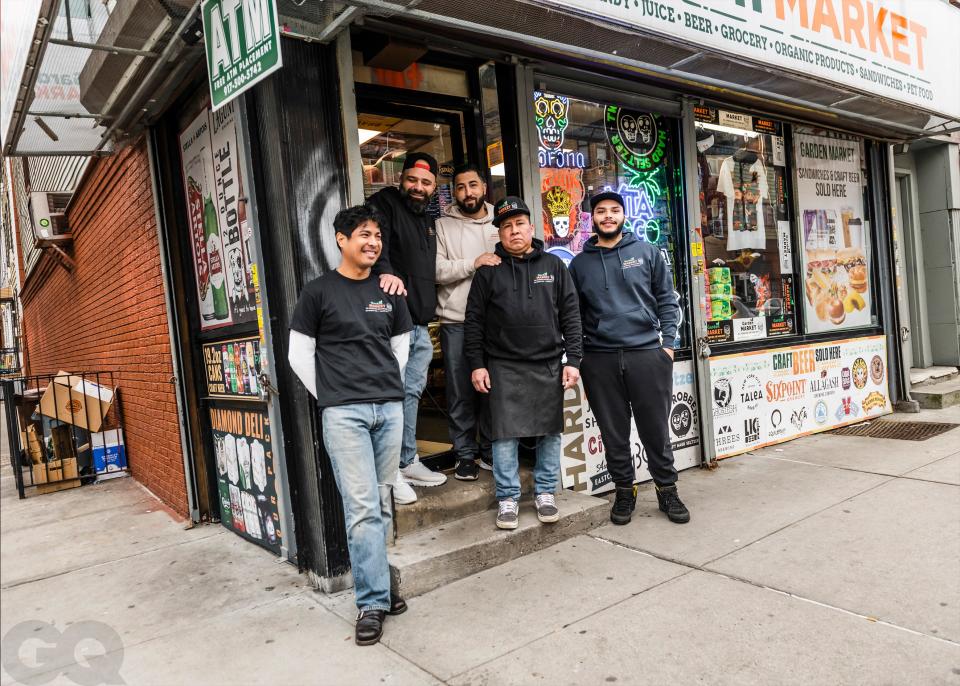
(774, 212)
(753, 149)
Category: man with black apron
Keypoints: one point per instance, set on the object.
(522, 317)
(630, 318)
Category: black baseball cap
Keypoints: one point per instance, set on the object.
(421, 160)
(606, 195)
(509, 207)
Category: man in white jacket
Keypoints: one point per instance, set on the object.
(466, 238)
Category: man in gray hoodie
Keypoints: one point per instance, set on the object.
(466, 238)
(630, 316)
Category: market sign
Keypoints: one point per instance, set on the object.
(898, 49)
(242, 40)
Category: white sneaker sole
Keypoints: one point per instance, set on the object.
(548, 519)
(425, 484)
(484, 465)
(506, 525)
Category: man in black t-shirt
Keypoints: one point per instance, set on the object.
(349, 341)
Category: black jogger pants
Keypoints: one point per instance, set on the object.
(641, 380)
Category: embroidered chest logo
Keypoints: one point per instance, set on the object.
(378, 306)
(543, 277)
(632, 262)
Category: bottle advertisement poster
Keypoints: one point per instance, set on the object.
(835, 248)
(583, 456)
(219, 231)
(245, 474)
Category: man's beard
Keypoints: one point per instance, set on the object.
(415, 205)
(609, 234)
(470, 209)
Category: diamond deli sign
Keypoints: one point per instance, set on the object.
(242, 41)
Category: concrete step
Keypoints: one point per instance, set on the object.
(939, 395)
(453, 500)
(929, 376)
(433, 557)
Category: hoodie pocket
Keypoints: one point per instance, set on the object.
(622, 328)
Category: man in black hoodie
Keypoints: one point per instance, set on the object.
(630, 317)
(521, 318)
(408, 262)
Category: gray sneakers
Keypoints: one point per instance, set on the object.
(508, 514)
(547, 511)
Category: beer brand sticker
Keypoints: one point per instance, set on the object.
(543, 277)
(847, 409)
(820, 412)
(859, 371)
(378, 306)
(876, 369)
(873, 401)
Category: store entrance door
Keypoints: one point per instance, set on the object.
(388, 132)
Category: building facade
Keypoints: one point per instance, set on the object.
(755, 145)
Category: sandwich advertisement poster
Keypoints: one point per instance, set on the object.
(834, 249)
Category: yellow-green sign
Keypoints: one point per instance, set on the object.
(242, 40)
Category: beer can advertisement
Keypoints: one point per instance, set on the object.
(770, 396)
(830, 186)
(583, 458)
(233, 368)
(219, 230)
(245, 475)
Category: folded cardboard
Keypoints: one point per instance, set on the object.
(75, 400)
(55, 470)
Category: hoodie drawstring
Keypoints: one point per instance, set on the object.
(513, 269)
(603, 264)
(623, 272)
(529, 287)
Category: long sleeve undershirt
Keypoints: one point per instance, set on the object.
(303, 361)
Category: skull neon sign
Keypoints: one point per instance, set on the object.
(552, 116)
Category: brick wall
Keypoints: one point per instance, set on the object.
(109, 314)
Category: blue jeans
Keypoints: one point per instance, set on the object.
(506, 466)
(363, 441)
(414, 381)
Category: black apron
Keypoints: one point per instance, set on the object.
(526, 398)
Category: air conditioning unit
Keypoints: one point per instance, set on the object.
(47, 214)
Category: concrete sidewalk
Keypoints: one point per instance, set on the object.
(828, 560)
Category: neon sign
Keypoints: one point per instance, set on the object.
(552, 114)
(638, 139)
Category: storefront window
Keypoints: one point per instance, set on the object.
(835, 253)
(745, 220)
(585, 147)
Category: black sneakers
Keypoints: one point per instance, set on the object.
(624, 505)
(466, 470)
(670, 503)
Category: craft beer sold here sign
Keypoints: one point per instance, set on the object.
(242, 40)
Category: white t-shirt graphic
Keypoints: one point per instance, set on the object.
(744, 220)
